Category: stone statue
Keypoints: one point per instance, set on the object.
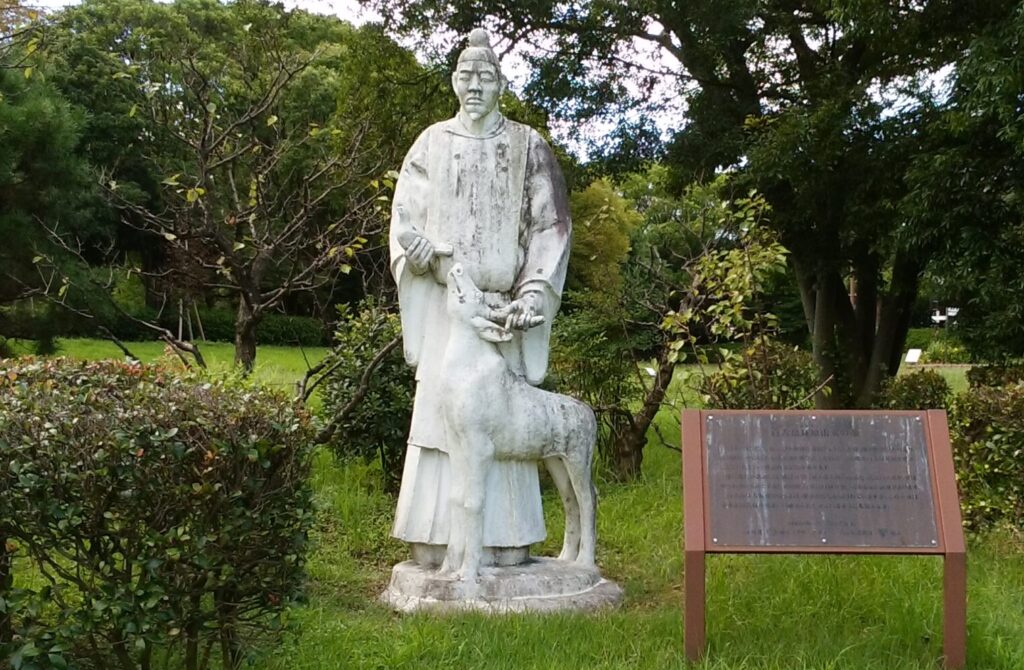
(479, 242)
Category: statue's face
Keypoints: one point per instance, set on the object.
(478, 85)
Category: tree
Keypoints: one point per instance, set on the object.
(793, 96)
(686, 278)
(43, 178)
(258, 163)
(973, 186)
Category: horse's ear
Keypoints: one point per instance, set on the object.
(490, 331)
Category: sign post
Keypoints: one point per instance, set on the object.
(846, 482)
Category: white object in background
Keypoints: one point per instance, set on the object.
(913, 356)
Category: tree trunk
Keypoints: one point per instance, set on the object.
(227, 620)
(6, 584)
(628, 446)
(893, 324)
(245, 337)
(823, 342)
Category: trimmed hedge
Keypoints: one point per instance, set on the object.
(988, 439)
(218, 326)
(274, 329)
(995, 375)
(161, 516)
(920, 390)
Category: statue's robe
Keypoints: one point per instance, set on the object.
(500, 202)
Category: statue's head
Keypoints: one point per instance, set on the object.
(477, 79)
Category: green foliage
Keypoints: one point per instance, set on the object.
(375, 415)
(988, 438)
(275, 329)
(974, 186)
(236, 141)
(43, 177)
(832, 124)
(946, 348)
(160, 515)
(995, 375)
(593, 358)
(593, 352)
(603, 221)
(920, 390)
(919, 338)
(724, 280)
(768, 375)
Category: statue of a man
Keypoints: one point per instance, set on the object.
(487, 193)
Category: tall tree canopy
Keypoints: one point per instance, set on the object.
(43, 174)
(825, 107)
(242, 145)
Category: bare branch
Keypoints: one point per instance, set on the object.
(361, 390)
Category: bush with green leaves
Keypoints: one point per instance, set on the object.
(274, 329)
(593, 358)
(766, 375)
(995, 375)
(919, 338)
(156, 519)
(946, 348)
(368, 394)
(987, 425)
(921, 390)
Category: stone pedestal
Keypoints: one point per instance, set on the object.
(538, 585)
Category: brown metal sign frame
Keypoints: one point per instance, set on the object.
(951, 546)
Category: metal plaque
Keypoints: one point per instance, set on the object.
(801, 480)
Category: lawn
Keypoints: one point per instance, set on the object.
(771, 612)
(778, 612)
(277, 366)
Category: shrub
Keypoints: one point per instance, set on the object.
(289, 331)
(919, 338)
(376, 425)
(921, 390)
(594, 361)
(767, 375)
(946, 348)
(995, 375)
(988, 439)
(161, 515)
(274, 329)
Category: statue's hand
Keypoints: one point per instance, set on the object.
(524, 312)
(419, 252)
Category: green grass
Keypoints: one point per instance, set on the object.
(770, 612)
(764, 612)
(277, 366)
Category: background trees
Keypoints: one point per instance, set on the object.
(827, 108)
(241, 149)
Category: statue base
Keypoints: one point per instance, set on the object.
(538, 585)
